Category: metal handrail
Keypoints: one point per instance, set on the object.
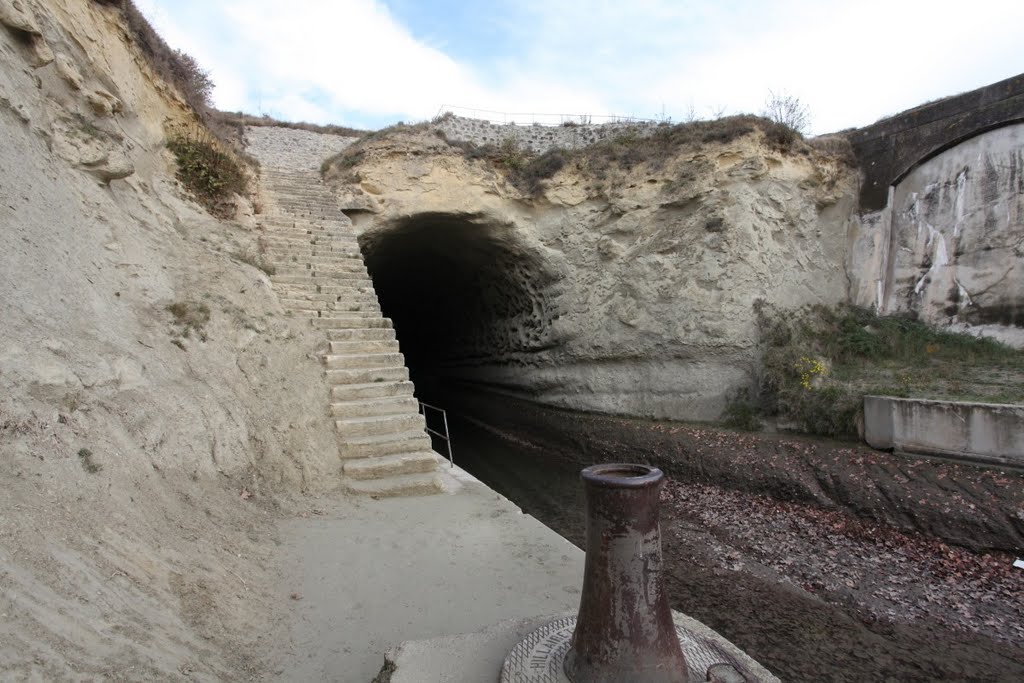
(446, 437)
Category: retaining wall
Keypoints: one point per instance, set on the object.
(985, 432)
(538, 138)
(887, 150)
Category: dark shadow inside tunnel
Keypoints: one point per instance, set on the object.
(463, 292)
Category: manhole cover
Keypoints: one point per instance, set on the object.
(539, 656)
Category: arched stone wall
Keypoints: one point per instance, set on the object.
(949, 246)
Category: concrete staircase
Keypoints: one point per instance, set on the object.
(320, 275)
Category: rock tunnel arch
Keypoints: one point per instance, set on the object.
(467, 293)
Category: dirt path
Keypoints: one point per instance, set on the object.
(810, 590)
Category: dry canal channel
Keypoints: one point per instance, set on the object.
(809, 589)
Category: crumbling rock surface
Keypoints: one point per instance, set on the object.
(628, 293)
(151, 390)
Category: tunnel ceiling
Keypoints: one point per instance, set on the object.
(459, 289)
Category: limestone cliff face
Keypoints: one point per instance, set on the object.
(125, 435)
(949, 247)
(622, 290)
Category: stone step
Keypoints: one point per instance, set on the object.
(348, 264)
(384, 444)
(310, 234)
(393, 487)
(296, 238)
(362, 302)
(371, 390)
(319, 309)
(347, 290)
(289, 186)
(377, 406)
(315, 245)
(312, 247)
(350, 322)
(303, 215)
(284, 196)
(343, 266)
(361, 346)
(300, 242)
(311, 278)
(310, 294)
(296, 194)
(366, 375)
(366, 469)
(283, 221)
(378, 425)
(360, 334)
(346, 277)
(363, 360)
(314, 251)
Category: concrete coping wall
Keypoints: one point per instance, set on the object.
(539, 138)
(983, 432)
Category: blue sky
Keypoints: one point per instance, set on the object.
(370, 63)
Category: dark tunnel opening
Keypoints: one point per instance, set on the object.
(465, 293)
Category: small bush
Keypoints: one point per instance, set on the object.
(819, 362)
(836, 146)
(511, 155)
(88, 464)
(787, 111)
(190, 316)
(210, 174)
(256, 261)
(741, 412)
(780, 136)
(530, 176)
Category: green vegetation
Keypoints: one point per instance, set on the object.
(819, 362)
(206, 171)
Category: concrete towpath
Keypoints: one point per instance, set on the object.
(369, 574)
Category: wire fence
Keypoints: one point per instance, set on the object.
(540, 119)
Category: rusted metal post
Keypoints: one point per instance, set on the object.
(624, 631)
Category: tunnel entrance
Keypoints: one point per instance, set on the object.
(464, 292)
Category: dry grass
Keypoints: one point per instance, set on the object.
(239, 120)
(174, 66)
(190, 316)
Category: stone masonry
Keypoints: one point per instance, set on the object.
(538, 138)
(319, 274)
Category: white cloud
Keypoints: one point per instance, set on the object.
(352, 61)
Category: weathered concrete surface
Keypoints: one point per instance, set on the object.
(890, 148)
(972, 431)
(948, 247)
(372, 574)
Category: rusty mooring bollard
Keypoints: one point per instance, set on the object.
(624, 631)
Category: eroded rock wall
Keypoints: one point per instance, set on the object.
(644, 280)
(152, 394)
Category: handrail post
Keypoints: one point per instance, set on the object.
(446, 436)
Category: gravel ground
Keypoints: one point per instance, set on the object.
(823, 560)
